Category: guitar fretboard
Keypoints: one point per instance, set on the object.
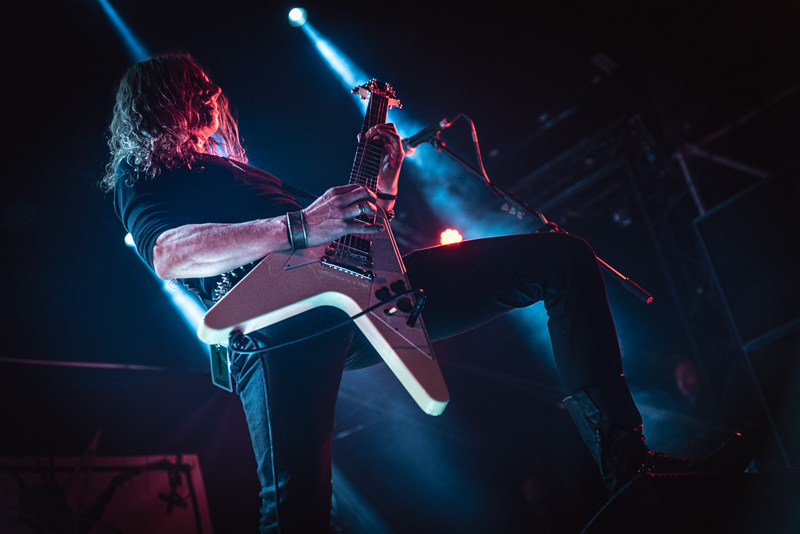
(368, 155)
(365, 171)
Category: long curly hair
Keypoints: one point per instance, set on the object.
(154, 117)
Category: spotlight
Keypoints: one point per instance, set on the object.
(297, 16)
(450, 236)
(129, 240)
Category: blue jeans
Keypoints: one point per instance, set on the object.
(289, 393)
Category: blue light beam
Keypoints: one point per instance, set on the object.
(184, 302)
(136, 50)
(350, 75)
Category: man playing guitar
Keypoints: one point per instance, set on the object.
(200, 214)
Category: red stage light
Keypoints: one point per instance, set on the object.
(451, 236)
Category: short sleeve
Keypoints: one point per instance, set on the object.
(146, 208)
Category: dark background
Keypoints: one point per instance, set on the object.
(75, 292)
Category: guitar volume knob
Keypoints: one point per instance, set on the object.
(398, 287)
(405, 306)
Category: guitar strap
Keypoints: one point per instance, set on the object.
(296, 191)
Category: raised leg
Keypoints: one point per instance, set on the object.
(472, 282)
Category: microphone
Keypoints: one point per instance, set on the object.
(426, 134)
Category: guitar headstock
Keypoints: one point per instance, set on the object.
(374, 87)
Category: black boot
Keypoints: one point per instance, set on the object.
(611, 426)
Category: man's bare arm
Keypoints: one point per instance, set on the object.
(202, 250)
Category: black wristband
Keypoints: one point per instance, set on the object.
(289, 231)
(296, 226)
(384, 196)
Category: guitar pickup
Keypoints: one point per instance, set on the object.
(352, 252)
(349, 269)
(367, 261)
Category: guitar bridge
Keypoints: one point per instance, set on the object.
(358, 272)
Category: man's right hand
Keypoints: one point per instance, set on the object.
(335, 213)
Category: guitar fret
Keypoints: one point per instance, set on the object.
(366, 168)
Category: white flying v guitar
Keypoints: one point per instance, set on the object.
(353, 273)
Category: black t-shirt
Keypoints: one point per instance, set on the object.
(213, 190)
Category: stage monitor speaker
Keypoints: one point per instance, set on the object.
(752, 243)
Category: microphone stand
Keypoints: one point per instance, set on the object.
(521, 207)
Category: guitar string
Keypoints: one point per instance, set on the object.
(371, 164)
(355, 176)
(368, 164)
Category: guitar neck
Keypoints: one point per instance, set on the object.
(368, 155)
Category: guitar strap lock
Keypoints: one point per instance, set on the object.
(221, 367)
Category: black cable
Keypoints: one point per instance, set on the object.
(548, 226)
(474, 135)
(236, 337)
